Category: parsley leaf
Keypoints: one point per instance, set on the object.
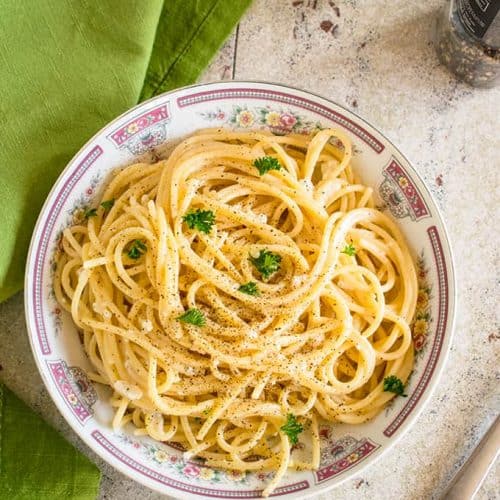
(90, 212)
(292, 428)
(249, 288)
(108, 204)
(266, 263)
(193, 316)
(136, 249)
(203, 220)
(349, 250)
(266, 163)
(395, 385)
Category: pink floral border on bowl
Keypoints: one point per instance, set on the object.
(74, 387)
(402, 197)
(191, 488)
(442, 319)
(42, 244)
(144, 132)
(286, 98)
(279, 121)
(339, 455)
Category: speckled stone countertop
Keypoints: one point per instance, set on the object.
(376, 58)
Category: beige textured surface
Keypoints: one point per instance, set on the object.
(379, 62)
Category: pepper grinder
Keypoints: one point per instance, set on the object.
(468, 41)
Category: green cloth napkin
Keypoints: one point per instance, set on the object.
(67, 68)
(36, 462)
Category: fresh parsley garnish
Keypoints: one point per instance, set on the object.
(349, 250)
(108, 204)
(193, 316)
(292, 428)
(266, 163)
(90, 212)
(203, 220)
(136, 249)
(249, 288)
(266, 263)
(395, 385)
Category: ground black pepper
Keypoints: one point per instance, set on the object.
(468, 41)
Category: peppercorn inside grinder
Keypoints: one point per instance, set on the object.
(467, 41)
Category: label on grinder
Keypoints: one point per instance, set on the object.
(481, 19)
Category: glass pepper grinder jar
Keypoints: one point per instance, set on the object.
(468, 41)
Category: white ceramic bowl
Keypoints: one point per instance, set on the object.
(346, 449)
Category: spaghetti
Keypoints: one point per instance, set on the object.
(238, 292)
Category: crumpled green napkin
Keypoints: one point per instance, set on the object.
(36, 462)
(67, 68)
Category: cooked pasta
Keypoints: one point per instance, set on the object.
(239, 292)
